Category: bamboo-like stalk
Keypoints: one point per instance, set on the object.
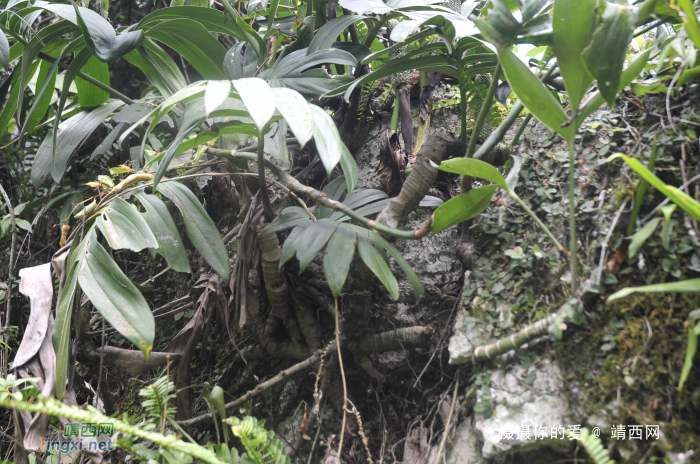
(572, 218)
(483, 111)
(521, 129)
(524, 335)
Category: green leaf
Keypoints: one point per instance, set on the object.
(573, 22)
(378, 264)
(534, 95)
(200, 228)
(512, 179)
(417, 285)
(328, 144)
(161, 223)
(116, 297)
(644, 89)
(195, 43)
(99, 35)
(296, 112)
(499, 27)
(60, 336)
(359, 199)
(4, 52)
(88, 94)
(72, 133)
(682, 199)
(684, 286)
(339, 253)
(349, 166)
(630, 73)
(324, 37)
(289, 249)
(257, 98)
(288, 218)
(123, 227)
(462, 207)
(333, 191)
(44, 95)
(475, 168)
(690, 21)
(690, 350)
(641, 236)
(313, 240)
(216, 93)
(605, 57)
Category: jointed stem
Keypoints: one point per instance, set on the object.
(483, 111)
(269, 215)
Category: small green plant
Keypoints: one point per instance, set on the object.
(593, 446)
(261, 444)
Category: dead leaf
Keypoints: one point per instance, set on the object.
(37, 285)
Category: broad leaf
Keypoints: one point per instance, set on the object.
(288, 218)
(325, 36)
(296, 112)
(690, 20)
(336, 261)
(72, 134)
(161, 223)
(200, 228)
(90, 95)
(462, 207)
(258, 99)
(240, 61)
(328, 143)
(641, 236)
(417, 285)
(684, 286)
(358, 200)
(534, 95)
(573, 22)
(289, 249)
(313, 240)
(350, 171)
(512, 179)
(365, 6)
(376, 261)
(4, 52)
(605, 57)
(333, 191)
(116, 297)
(216, 93)
(475, 168)
(123, 227)
(99, 35)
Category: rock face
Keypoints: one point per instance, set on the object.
(527, 404)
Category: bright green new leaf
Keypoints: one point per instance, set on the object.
(88, 94)
(475, 168)
(689, 355)
(200, 228)
(641, 236)
(161, 223)
(123, 227)
(682, 199)
(116, 297)
(462, 207)
(339, 253)
(690, 20)
(641, 89)
(605, 57)
(684, 286)
(257, 98)
(215, 94)
(376, 261)
(534, 95)
(313, 240)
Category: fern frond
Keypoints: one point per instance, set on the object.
(158, 398)
(594, 447)
(262, 446)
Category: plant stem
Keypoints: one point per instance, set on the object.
(463, 113)
(521, 129)
(372, 31)
(572, 218)
(269, 215)
(395, 115)
(641, 191)
(8, 295)
(483, 111)
(541, 224)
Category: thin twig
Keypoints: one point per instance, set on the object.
(605, 242)
(8, 295)
(449, 418)
(342, 374)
